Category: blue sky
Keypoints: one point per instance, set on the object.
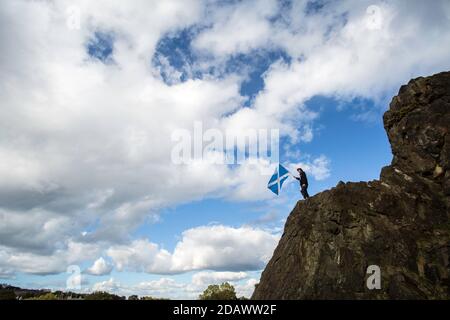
(86, 129)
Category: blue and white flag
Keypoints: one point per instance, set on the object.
(277, 179)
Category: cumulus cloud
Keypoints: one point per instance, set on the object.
(100, 267)
(319, 167)
(239, 28)
(208, 247)
(70, 253)
(226, 248)
(206, 278)
(109, 285)
(141, 256)
(246, 289)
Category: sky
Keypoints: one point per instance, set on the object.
(92, 92)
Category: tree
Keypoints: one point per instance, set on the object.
(45, 296)
(133, 297)
(101, 295)
(153, 298)
(7, 294)
(225, 291)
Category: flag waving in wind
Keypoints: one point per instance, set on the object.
(277, 179)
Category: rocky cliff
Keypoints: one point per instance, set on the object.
(399, 222)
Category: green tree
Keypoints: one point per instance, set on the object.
(7, 294)
(45, 296)
(225, 291)
(101, 295)
(153, 298)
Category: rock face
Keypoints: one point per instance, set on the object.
(400, 223)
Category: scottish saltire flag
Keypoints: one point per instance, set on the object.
(277, 179)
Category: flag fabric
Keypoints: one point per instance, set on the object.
(277, 179)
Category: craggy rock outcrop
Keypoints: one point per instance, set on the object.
(399, 223)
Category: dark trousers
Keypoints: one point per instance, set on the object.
(304, 192)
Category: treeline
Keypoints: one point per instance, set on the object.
(224, 291)
(8, 292)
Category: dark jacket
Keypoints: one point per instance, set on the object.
(303, 180)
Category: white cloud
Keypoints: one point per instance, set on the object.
(224, 248)
(140, 255)
(72, 253)
(246, 289)
(206, 278)
(238, 29)
(209, 247)
(319, 167)
(109, 285)
(100, 267)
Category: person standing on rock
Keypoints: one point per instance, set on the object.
(303, 183)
